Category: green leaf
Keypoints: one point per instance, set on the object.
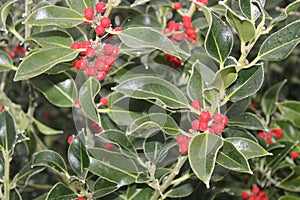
(45, 129)
(291, 132)
(6, 63)
(233, 132)
(15, 194)
(59, 89)
(249, 81)
(248, 121)
(49, 158)
(291, 182)
(43, 60)
(212, 95)
(61, 192)
(180, 191)
(112, 166)
(247, 147)
(281, 43)
(87, 94)
(55, 15)
(244, 27)
(119, 138)
(154, 88)
(236, 108)
(78, 157)
(231, 158)
(224, 78)
(292, 6)
(103, 187)
(8, 132)
(219, 40)
(142, 194)
(159, 120)
(247, 9)
(195, 84)
(4, 11)
(23, 176)
(290, 111)
(289, 197)
(202, 154)
(145, 37)
(80, 5)
(53, 38)
(270, 97)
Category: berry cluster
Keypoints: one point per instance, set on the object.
(256, 194)
(18, 50)
(176, 62)
(268, 136)
(214, 124)
(183, 143)
(205, 2)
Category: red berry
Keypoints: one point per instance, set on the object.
(269, 135)
(217, 128)
(180, 139)
(118, 29)
(277, 132)
(80, 198)
(76, 45)
(294, 155)
(47, 116)
(101, 75)
(109, 60)
(269, 140)
(77, 102)
(100, 7)
(245, 195)
(203, 1)
(173, 25)
(262, 193)
(90, 52)
(104, 101)
(196, 104)
(108, 49)
(204, 116)
(11, 55)
(90, 71)
(2, 108)
(261, 134)
(177, 5)
(70, 139)
(203, 126)
(89, 13)
(255, 189)
(225, 120)
(109, 146)
(184, 149)
(218, 118)
(178, 36)
(105, 22)
(100, 30)
(196, 125)
(96, 127)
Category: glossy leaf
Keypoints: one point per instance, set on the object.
(87, 94)
(291, 182)
(290, 111)
(141, 194)
(145, 37)
(249, 81)
(61, 192)
(159, 120)
(8, 132)
(45, 129)
(231, 158)
(247, 147)
(59, 89)
(237, 108)
(6, 63)
(270, 97)
(78, 157)
(244, 27)
(224, 78)
(195, 84)
(180, 191)
(23, 176)
(43, 60)
(53, 38)
(289, 197)
(234, 132)
(212, 95)
(219, 40)
(103, 187)
(280, 44)
(153, 88)
(55, 15)
(248, 121)
(49, 158)
(119, 138)
(202, 154)
(249, 10)
(291, 132)
(112, 166)
(292, 6)
(80, 5)
(4, 11)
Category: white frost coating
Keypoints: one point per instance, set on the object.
(2, 132)
(74, 161)
(122, 182)
(42, 14)
(66, 84)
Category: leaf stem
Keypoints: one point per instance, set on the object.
(6, 182)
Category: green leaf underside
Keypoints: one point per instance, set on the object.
(61, 192)
(231, 158)
(289, 197)
(145, 37)
(181, 191)
(154, 88)
(246, 8)
(103, 187)
(292, 181)
(247, 121)
(87, 94)
(202, 154)
(45, 129)
(80, 5)
(195, 84)
(49, 158)
(43, 60)
(5, 62)
(55, 15)
(280, 44)
(7, 131)
(59, 89)
(5, 9)
(78, 157)
(23, 176)
(159, 120)
(224, 78)
(290, 111)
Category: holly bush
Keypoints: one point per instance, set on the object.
(149, 99)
